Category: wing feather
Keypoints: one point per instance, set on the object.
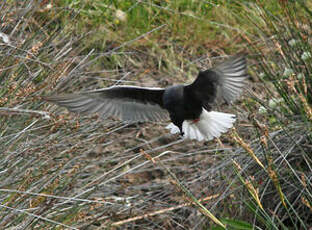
(129, 103)
(225, 80)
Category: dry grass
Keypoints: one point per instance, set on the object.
(63, 171)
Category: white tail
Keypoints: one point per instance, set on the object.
(210, 125)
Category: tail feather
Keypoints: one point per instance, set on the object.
(210, 125)
(173, 129)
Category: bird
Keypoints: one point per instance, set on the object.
(188, 106)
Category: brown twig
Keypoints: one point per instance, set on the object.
(24, 111)
(121, 222)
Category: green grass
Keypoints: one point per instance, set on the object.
(63, 171)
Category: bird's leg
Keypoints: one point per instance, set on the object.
(181, 131)
(178, 122)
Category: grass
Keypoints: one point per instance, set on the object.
(63, 171)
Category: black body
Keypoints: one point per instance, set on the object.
(182, 104)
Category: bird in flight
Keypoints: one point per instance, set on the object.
(188, 106)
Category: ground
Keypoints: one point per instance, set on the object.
(61, 170)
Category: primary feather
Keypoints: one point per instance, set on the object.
(231, 76)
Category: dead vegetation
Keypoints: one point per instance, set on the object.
(59, 170)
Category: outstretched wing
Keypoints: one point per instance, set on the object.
(225, 80)
(129, 103)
